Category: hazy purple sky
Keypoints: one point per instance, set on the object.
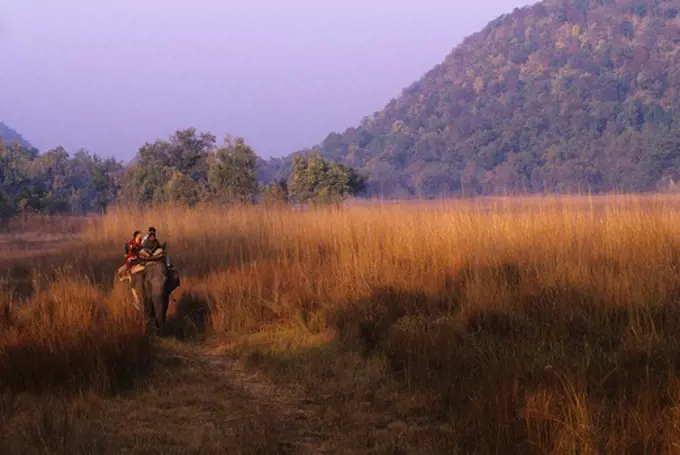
(108, 75)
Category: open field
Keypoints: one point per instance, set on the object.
(533, 325)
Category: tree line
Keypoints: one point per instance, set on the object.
(187, 168)
(55, 182)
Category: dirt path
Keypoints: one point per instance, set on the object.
(195, 402)
(201, 402)
(296, 415)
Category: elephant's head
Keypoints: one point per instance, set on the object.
(149, 286)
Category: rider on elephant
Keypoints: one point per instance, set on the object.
(151, 243)
(151, 240)
(132, 249)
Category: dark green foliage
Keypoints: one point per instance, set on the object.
(173, 170)
(54, 182)
(233, 172)
(182, 189)
(563, 95)
(185, 169)
(317, 180)
(189, 168)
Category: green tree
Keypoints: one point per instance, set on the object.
(276, 193)
(233, 172)
(186, 152)
(182, 189)
(55, 182)
(24, 190)
(93, 182)
(317, 180)
(103, 184)
(53, 169)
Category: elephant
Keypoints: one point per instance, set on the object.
(151, 282)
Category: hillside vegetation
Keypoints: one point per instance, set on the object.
(536, 325)
(563, 95)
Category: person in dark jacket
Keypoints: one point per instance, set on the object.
(151, 243)
(150, 231)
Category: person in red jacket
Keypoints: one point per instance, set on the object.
(132, 249)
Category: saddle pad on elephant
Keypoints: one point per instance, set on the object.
(124, 274)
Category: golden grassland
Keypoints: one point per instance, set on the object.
(508, 325)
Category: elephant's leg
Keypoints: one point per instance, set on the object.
(166, 304)
(148, 313)
(159, 297)
(140, 298)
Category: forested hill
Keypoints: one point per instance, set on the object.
(561, 95)
(8, 135)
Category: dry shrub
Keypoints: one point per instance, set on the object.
(68, 337)
(189, 317)
(54, 425)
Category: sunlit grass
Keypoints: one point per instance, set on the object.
(516, 325)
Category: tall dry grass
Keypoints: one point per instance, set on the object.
(61, 327)
(535, 325)
(64, 336)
